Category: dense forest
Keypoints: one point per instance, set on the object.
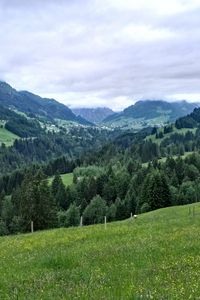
(50, 145)
(114, 175)
(116, 190)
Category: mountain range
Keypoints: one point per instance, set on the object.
(140, 115)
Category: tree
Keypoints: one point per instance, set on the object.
(71, 217)
(3, 228)
(121, 209)
(155, 191)
(112, 212)
(59, 192)
(95, 211)
(37, 203)
(7, 212)
(122, 182)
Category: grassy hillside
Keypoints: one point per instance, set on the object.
(7, 137)
(66, 178)
(182, 131)
(153, 257)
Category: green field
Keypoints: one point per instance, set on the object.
(66, 178)
(156, 256)
(7, 137)
(163, 159)
(182, 131)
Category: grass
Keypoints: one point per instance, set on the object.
(66, 178)
(163, 159)
(156, 256)
(7, 137)
(182, 131)
(137, 123)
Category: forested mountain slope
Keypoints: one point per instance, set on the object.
(149, 113)
(34, 105)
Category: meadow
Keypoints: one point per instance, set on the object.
(182, 131)
(7, 137)
(156, 256)
(66, 178)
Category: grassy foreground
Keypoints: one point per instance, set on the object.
(156, 256)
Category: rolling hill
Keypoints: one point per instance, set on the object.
(155, 256)
(94, 115)
(149, 113)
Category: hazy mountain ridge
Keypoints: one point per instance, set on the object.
(94, 115)
(30, 103)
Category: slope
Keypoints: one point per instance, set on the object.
(94, 115)
(150, 113)
(35, 105)
(153, 257)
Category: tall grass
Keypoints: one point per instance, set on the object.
(156, 256)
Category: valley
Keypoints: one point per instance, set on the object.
(99, 150)
(58, 172)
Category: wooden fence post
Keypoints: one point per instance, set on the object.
(81, 221)
(32, 227)
(105, 222)
(193, 211)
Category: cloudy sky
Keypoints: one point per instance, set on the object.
(102, 52)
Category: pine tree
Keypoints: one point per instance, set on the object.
(155, 191)
(59, 192)
(36, 203)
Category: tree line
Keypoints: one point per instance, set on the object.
(115, 190)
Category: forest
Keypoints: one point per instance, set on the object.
(126, 176)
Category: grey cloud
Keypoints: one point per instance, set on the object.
(86, 52)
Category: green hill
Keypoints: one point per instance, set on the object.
(149, 113)
(155, 256)
(7, 137)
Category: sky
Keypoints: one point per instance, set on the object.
(89, 53)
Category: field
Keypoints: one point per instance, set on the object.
(66, 178)
(156, 256)
(137, 123)
(175, 130)
(7, 137)
(163, 159)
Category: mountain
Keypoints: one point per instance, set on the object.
(17, 124)
(191, 120)
(29, 103)
(150, 113)
(94, 115)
